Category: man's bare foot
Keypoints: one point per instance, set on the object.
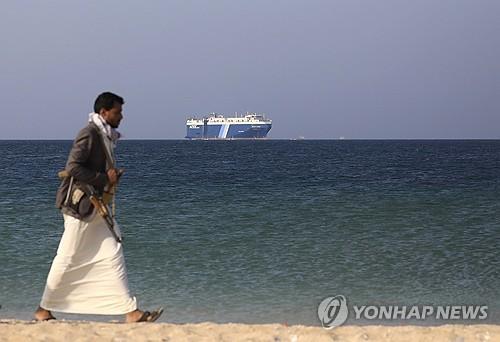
(143, 316)
(43, 315)
(133, 316)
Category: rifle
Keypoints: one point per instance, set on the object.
(98, 204)
(103, 210)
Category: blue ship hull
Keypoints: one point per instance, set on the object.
(228, 131)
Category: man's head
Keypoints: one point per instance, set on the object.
(109, 106)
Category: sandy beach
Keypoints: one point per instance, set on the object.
(13, 330)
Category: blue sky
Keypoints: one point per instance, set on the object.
(319, 69)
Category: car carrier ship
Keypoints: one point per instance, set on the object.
(216, 126)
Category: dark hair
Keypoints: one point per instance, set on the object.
(107, 100)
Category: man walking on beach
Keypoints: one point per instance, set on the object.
(88, 274)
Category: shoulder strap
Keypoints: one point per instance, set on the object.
(109, 159)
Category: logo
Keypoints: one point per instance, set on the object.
(332, 311)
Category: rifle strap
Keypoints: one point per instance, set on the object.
(69, 191)
(111, 164)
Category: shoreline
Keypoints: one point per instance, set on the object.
(15, 330)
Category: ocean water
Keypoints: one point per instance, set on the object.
(262, 231)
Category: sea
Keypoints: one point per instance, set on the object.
(262, 231)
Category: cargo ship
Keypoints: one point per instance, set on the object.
(216, 126)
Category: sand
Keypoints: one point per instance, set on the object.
(73, 331)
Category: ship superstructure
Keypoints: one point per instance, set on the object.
(216, 126)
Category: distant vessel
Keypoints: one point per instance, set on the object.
(216, 126)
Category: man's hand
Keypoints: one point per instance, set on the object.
(114, 175)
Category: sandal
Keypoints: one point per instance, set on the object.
(150, 317)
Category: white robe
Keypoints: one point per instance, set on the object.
(88, 274)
